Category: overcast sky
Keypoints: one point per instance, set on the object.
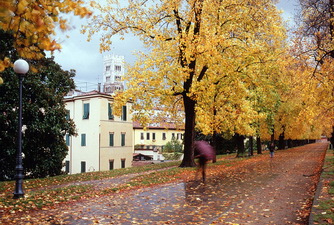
(86, 59)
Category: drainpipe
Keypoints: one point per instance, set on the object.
(99, 151)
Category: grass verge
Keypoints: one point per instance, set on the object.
(324, 210)
(44, 193)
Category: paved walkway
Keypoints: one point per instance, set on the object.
(261, 191)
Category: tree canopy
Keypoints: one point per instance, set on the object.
(314, 45)
(199, 50)
(44, 116)
(32, 24)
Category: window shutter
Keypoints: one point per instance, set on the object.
(111, 164)
(122, 163)
(86, 111)
(83, 139)
(67, 166)
(67, 114)
(123, 139)
(110, 115)
(124, 113)
(83, 167)
(67, 139)
(111, 139)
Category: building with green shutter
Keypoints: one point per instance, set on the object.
(104, 141)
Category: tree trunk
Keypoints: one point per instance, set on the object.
(240, 145)
(281, 144)
(272, 137)
(290, 143)
(189, 108)
(214, 144)
(214, 134)
(251, 151)
(258, 145)
(331, 25)
(332, 138)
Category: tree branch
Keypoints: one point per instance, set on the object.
(202, 73)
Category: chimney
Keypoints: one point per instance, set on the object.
(99, 87)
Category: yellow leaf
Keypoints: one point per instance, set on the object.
(22, 6)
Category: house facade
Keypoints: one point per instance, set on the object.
(103, 141)
(151, 140)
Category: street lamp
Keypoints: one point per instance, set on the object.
(21, 67)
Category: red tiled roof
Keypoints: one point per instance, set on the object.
(162, 125)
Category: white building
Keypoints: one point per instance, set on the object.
(151, 140)
(104, 141)
(113, 73)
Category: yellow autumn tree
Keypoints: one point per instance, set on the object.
(299, 114)
(292, 101)
(246, 96)
(33, 23)
(192, 45)
(315, 38)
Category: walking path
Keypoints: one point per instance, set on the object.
(262, 190)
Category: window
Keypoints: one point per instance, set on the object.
(67, 166)
(153, 136)
(164, 136)
(67, 139)
(173, 136)
(118, 68)
(122, 163)
(111, 139)
(110, 114)
(124, 113)
(123, 139)
(141, 136)
(83, 139)
(111, 164)
(147, 136)
(179, 136)
(107, 68)
(67, 114)
(83, 167)
(86, 111)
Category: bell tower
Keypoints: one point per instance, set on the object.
(113, 73)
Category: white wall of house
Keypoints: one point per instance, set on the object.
(96, 153)
(119, 151)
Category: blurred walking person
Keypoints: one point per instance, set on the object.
(204, 152)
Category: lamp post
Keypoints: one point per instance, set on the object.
(21, 67)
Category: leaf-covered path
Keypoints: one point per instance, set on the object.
(260, 190)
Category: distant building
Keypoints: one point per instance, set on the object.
(151, 140)
(113, 73)
(104, 141)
